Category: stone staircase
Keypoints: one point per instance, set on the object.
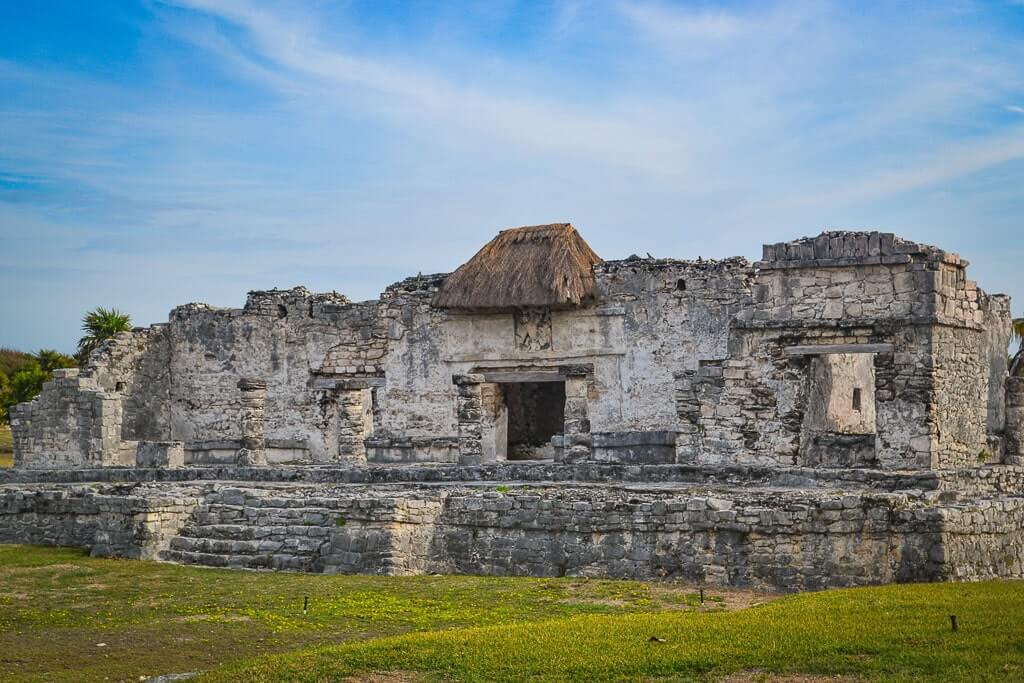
(256, 528)
(305, 529)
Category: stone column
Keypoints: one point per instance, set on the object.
(469, 412)
(1014, 421)
(578, 442)
(254, 436)
(353, 397)
(493, 423)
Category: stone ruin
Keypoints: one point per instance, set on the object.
(838, 413)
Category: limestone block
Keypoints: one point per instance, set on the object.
(164, 454)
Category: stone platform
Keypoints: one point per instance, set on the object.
(769, 528)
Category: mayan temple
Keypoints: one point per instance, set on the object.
(838, 413)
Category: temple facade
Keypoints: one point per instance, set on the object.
(836, 413)
(845, 350)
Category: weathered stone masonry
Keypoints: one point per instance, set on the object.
(852, 358)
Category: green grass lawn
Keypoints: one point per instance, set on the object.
(64, 616)
(899, 633)
(6, 446)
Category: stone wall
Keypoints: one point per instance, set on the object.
(135, 367)
(960, 402)
(674, 314)
(699, 348)
(72, 423)
(655, 316)
(776, 539)
(284, 338)
(134, 524)
(984, 540)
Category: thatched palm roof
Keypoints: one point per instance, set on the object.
(540, 265)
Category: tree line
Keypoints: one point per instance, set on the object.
(22, 374)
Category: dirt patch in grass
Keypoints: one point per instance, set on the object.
(667, 595)
(759, 676)
(386, 677)
(212, 617)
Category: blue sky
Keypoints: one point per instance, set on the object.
(157, 153)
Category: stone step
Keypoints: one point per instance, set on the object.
(259, 498)
(228, 514)
(253, 531)
(220, 546)
(308, 535)
(280, 561)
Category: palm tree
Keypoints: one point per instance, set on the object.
(1017, 362)
(50, 360)
(101, 324)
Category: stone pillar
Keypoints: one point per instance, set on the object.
(469, 412)
(254, 437)
(1014, 421)
(353, 405)
(577, 442)
(493, 423)
(688, 431)
(21, 429)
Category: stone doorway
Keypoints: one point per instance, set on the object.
(536, 412)
(839, 428)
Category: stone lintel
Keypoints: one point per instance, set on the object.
(331, 384)
(508, 377)
(822, 349)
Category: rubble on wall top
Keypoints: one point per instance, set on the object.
(271, 302)
(257, 300)
(184, 310)
(845, 247)
(650, 263)
(416, 283)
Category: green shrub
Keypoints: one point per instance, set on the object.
(5, 388)
(25, 385)
(11, 361)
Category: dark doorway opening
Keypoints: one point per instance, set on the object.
(536, 412)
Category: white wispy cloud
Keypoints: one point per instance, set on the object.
(418, 95)
(339, 151)
(686, 28)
